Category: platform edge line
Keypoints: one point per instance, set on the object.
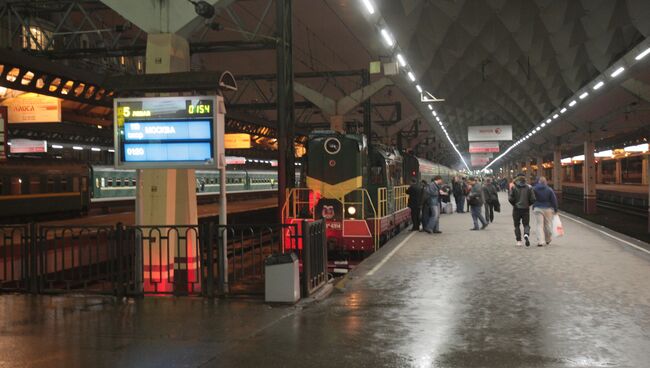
(607, 234)
(389, 255)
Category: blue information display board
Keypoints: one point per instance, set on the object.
(167, 132)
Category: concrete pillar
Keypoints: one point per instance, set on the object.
(572, 173)
(646, 177)
(644, 171)
(167, 196)
(589, 177)
(557, 173)
(619, 171)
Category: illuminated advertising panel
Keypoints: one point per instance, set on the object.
(484, 133)
(169, 132)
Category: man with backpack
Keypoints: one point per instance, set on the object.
(476, 201)
(521, 197)
(491, 197)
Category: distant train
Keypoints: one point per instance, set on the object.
(359, 191)
(31, 189)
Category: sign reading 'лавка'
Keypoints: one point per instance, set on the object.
(168, 132)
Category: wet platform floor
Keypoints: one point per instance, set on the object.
(458, 299)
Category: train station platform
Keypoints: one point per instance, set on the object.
(457, 299)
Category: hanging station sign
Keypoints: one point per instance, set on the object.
(483, 147)
(42, 109)
(169, 132)
(483, 133)
(237, 141)
(27, 146)
(480, 159)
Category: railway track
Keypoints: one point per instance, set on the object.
(609, 205)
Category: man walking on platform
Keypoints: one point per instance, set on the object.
(476, 201)
(521, 197)
(459, 196)
(415, 197)
(491, 198)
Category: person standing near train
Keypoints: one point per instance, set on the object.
(521, 197)
(434, 190)
(415, 203)
(459, 195)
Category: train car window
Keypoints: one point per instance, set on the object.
(16, 185)
(376, 175)
(75, 184)
(133, 182)
(84, 184)
(50, 185)
(64, 184)
(97, 183)
(103, 182)
(118, 182)
(34, 184)
(632, 168)
(109, 183)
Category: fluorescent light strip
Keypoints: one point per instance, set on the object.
(548, 120)
(584, 95)
(435, 113)
(555, 116)
(57, 146)
(642, 54)
(401, 60)
(572, 103)
(617, 72)
(563, 110)
(77, 148)
(95, 149)
(418, 88)
(369, 7)
(411, 76)
(430, 107)
(387, 37)
(598, 85)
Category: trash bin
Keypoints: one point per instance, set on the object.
(282, 278)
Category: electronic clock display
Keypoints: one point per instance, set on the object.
(166, 132)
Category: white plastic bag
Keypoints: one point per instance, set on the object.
(558, 229)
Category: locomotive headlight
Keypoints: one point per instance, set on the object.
(352, 210)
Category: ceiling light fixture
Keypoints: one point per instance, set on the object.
(387, 37)
(584, 95)
(369, 7)
(617, 72)
(430, 107)
(411, 76)
(563, 110)
(548, 120)
(598, 85)
(555, 116)
(572, 103)
(401, 60)
(642, 54)
(418, 88)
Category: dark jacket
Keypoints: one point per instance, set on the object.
(544, 197)
(415, 195)
(457, 189)
(490, 194)
(424, 201)
(476, 195)
(521, 195)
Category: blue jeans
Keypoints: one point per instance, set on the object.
(477, 215)
(434, 221)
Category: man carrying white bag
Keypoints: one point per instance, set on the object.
(545, 212)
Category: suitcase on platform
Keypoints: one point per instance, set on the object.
(447, 207)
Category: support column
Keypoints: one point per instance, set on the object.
(557, 173)
(619, 171)
(285, 112)
(589, 177)
(646, 177)
(572, 173)
(540, 166)
(644, 170)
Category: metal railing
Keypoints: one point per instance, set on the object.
(400, 197)
(207, 259)
(314, 256)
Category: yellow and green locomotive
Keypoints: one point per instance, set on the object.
(359, 190)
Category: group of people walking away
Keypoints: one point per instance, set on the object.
(425, 201)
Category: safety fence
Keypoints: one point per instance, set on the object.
(208, 259)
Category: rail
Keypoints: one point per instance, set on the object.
(314, 256)
(400, 196)
(206, 259)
